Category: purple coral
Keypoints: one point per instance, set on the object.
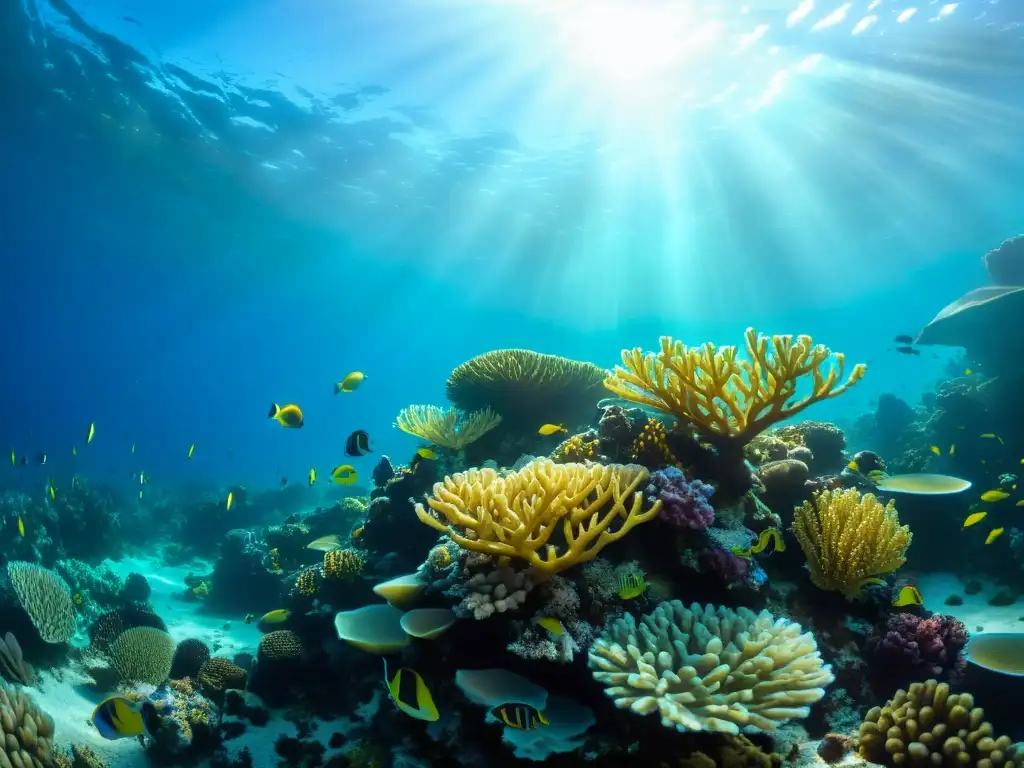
(920, 647)
(727, 566)
(684, 503)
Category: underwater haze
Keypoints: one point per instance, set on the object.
(333, 210)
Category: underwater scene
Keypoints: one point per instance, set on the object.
(405, 383)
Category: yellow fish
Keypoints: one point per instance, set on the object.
(552, 625)
(854, 466)
(977, 517)
(935, 449)
(994, 495)
(231, 498)
(344, 475)
(769, 537)
(968, 371)
(290, 416)
(249, 617)
(350, 383)
(191, 450)
(426, 453)
(550, 429)
(53, 492)
(325, 543)
(521, 717)
(952, 449)
(92, 433)
(312, 476)
(1019, 503)
(410, 694)
(631, 585)
(275, 617)
(21, 526)
(994, 534)
(908, 596)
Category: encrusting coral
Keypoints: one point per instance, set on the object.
(850, 540)
(710, 669)
(730, 399)
(927, 725)
(517, 514)
(446, 427)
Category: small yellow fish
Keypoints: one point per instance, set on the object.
(350, 383)
(290, 416)
(92, 433)
(426, 453)
(21, 526)
(344, 475)
(994, 534)
(53, 492)
(769, 537)
(312, 476)
(552, 625)
(231, 498)
(550, 429)
(1019, 503)
(989, 435)
(952, 449)
(977, 517)
(994, 495)
(853, 466)
(191, 450)
(631, 585)
(140, 493)
(968, 371)
(908, 595)
(273, 618)
(935, 449)
(357, 532)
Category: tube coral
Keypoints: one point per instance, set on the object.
(728, 398)
(446, 427)
(850, 539)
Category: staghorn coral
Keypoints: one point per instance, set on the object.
(710, 669)
(143, 655)
(849, 540)
(517, 515)
(446, 427)
(927, 725)
(684, 503)
(343, 564)
(725, 398)
(46, 598)
(27, 739)
(218, 675)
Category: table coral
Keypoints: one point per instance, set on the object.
(729, 399)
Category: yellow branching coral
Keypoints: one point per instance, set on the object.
(516, 515)
(850, 539)
(728, 397)
(446, 427)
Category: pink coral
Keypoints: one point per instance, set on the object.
(918, 647)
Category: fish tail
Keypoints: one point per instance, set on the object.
(274, 410)
(338, 388)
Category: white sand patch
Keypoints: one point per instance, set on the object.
(975, 611)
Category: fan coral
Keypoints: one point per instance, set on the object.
(189, 657)
(725, 398)
(684, 503)
(920, 647)
(27, 731)
(925, 724)
(218, 675)
(143, 655)
(516, 515)
(710, 669)
(849, 540)
(343, 564)
(446, 427)
(46, 598)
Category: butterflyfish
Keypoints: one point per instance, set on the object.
(121, 718)
(994, 534)
(21, 527)
(91, 434)
(231, 499)
(552, 625)
(325, 543)
(994, 495)
(908, 595)
(550, 429)
(191, 450)
(410, 693)
(770, 540)
(312, 477)
(358, 443)
(350, 383)
(631, 585)
(290, 416)
(344, 474)
(522, 717)
(1001, 652)
(975, 518)
(935, 449)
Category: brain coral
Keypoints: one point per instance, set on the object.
(279, 646)
(46, 598)
(189, 657)
(143, 654)
(28, 732)
(219, 674)
(710, 669)
(108, 626)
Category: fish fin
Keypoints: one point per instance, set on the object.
(541, 719)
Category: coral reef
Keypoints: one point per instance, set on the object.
(27, 731)
(46, 598)
(143, 655)
(913, 648)
(446, 427)
(684, 503)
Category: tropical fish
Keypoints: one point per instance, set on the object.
(133, 447)
(357, 532)
(290, 416)
(550, 429)
(344, 474)
(358, 443)
(231, 499)
(350, 383)
(420, 455)
(853, 466)
(968, 371)
(994, 534)
(631, 585)
(312, 477)
(1001, 652)
(908, 351)
(41, 458)
(770, 537)
(284, 481)
(904, 339)
(274, 618)
(191, 450)
(410, 693)
(52, 491)
(988, 435)
(91, 434)
(325, 543)
(21, 527)
(1019, 503)
(522, 717)
(249, 617)
(994, 495)
(922, 484)
(974, 518)
(552, 625)
(121, 718)
(935, 449)
(74, 450)
(952, 449)
(908, 595)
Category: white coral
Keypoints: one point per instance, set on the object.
(711, 669)
(498, 590)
